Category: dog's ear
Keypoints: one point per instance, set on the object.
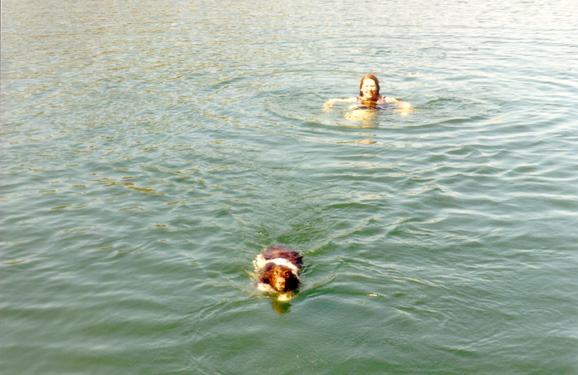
(267, 273)
(292, 283)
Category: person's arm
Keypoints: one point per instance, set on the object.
(398, 104)
(330, 102)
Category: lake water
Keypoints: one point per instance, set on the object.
(151, 149)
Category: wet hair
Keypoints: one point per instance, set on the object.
(283, 252)
(278, 269)
(368, 76)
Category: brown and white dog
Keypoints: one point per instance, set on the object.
(278, 270)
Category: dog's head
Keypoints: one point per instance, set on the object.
(281, 278)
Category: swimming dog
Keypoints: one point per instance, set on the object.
(278, 270)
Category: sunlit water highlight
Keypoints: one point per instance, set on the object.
(151, 149)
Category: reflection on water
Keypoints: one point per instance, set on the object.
(364, 116)
(368, 117)
(151, 149)
(281, 307)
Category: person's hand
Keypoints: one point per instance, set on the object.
(328, 106)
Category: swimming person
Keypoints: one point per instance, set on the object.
(369, 97)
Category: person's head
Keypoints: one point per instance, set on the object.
(371, 84)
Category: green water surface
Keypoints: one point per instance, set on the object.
(151, 149)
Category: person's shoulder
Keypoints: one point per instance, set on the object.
(389, 99)
(398, 103)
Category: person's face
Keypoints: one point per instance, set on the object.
(369, 89)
